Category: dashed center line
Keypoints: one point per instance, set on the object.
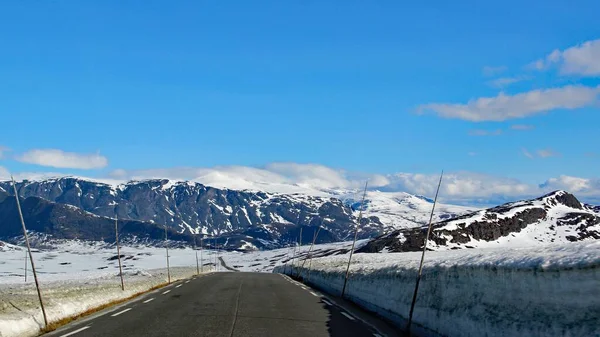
(121, 312)
(166, 292)
(149, 300)
(179, 286)
(349, 317)
(187, 281)
(75, 331)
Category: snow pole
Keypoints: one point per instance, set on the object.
(355, 236)
(294, 249)
(25, 266)
(201, 260)
(37, 285)
(414, 299)
(310, 253)
(119, 251)
(308, 256)
(167, 248)
(299, 252)
(195, 250)
(291, 252)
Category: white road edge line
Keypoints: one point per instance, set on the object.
(314, 294)
(380, 334)
(120, 312)
(187, 281)
(179, 286)
(349, 317)
(166, 292)
(150, 300)
(75, 331)
(289, 279)
(326, 302)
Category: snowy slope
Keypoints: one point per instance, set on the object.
(400, 209)
(265, 211)
(556, 217)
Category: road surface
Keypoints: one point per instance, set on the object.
(231, 305)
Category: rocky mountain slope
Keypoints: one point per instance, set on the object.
(68, 222)
(555, 217)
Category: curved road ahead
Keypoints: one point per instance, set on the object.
(227, 305)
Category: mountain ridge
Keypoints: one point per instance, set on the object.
(555, 217)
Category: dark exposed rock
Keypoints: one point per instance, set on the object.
(492, 224)
(186, 207)
(564, 198)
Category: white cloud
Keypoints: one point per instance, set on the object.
(503, 107)
(506, 81)
(457, 187)
(546, 153)
(2, 150)
(543, 153)
(61, 159)
(582, 59)
(497, 132)
(492, 71)
(522, 127)
(584, 188)
(288, 177)
(4, 174)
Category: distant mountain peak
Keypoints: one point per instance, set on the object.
(561, 197)
(555, 217)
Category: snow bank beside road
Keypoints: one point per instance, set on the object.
(542, 291)
(76, 276)
(20, 314)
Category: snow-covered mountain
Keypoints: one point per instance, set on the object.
(556, 217)
(247, 218)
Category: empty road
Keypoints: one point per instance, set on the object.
(228, 305)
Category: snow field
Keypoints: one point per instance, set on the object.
(77, 276)
(541, 291)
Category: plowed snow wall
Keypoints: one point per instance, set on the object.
(473, 301)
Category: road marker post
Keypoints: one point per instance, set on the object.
(299, 251)
(167, 248)
(119, 251)
(37, 285)
(362, 204)
(309, 256)
(201, 260)
(195, 250)
(414, 299)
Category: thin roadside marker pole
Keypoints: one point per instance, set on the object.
(37, 285)
(362, 204)
(414, 299)
(26, 266)
(309, 256)
(201, 261)
(299, 252)
(195, 250)
(119, 252)
(167, 248)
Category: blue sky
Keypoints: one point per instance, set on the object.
(351, 85)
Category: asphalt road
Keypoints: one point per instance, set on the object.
(230, 305)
